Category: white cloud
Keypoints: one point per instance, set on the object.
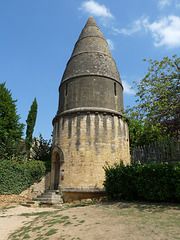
(136, 26)
(95, 9)
(127, 88)
(111, 44)
(165, 31)
(164, 3)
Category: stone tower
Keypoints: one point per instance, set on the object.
(89, 128)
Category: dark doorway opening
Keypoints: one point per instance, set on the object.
(57, 162)
(56, 171)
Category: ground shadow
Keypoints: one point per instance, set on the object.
(143, 206)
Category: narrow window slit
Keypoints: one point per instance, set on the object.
(66, 89)
(115, 89)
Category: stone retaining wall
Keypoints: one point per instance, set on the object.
(37, 188)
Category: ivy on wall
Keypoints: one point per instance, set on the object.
(16, 177)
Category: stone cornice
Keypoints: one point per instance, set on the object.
(89, 110)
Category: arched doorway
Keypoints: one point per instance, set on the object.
(57, 161)
(56, 171)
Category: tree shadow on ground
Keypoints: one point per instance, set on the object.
(143, 206)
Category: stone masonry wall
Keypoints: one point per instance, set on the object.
(90, 91)
(37, 188)
(88, 141)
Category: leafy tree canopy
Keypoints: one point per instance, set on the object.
(11, 130)
(142, 134)
(42, 151)
(158, 95)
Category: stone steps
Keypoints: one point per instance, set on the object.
(31, 204)
(50, 197)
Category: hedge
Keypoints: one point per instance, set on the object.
(150, 182)
(16, 177)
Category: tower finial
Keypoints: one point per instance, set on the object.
(91, 18)
(91, 22)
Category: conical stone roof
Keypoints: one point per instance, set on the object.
(91, 55)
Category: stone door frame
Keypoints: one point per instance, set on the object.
(56, 164)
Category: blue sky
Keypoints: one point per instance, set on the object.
(37, 38)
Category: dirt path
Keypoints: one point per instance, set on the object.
(104, 221)
(10, 218)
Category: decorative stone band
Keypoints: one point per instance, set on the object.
(84, 189)
(91, 36)
(86, 52)
(89, 110)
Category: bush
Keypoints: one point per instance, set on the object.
(36, 168)
(16, 177)
(151, 182)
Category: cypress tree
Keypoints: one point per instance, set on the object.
(31, 120)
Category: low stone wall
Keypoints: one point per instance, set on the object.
(82, 196)
(37, 188)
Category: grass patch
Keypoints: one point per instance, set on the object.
(36, 228)
(36, 214)
(67, 223)
(53, 222)
(26, 236)
(60, 215)
(6, 207)
(65, 217)
(51, 232)
(82, 221)
(39, 237)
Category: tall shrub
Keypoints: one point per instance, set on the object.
(31, 120)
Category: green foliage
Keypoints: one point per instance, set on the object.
(11, 130)
(36, 169)
(51, 232)
(141, 134)
(158, 95)
(16, 177)
(117, 184)
(31, 120)
(42, 151)
(150, 182)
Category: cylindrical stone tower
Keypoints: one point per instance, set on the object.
(89, 128)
